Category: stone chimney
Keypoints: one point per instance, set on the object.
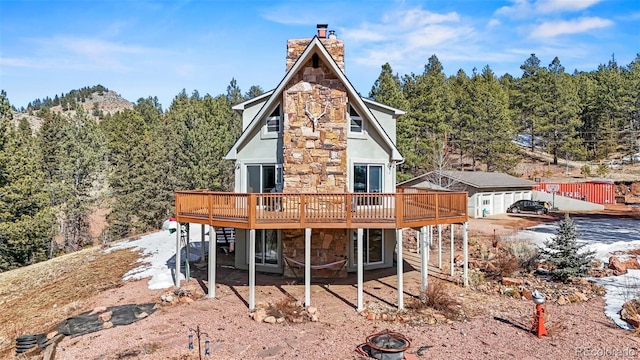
(334, 46)
(315, 123)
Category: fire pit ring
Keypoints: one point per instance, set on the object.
(388, 345)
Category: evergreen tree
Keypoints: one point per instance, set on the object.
(387, 89)
(254, 91)
(564, 251)
(26, 217)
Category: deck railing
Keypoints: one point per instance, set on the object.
(409, 208)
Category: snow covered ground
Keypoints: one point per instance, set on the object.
(159, 252)
(605, 236)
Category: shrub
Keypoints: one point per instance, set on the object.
(525, 253)
(565, 253)
(439, 298)
(585, 170)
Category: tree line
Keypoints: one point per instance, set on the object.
(133, 161)
(130, 162)
(587, 116)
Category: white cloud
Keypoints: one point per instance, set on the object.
(551, 6)
(554, 28)
(493, 23)
(525, 8)
(519, 8)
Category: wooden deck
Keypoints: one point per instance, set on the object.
(406, 208)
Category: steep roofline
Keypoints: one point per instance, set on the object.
(315, 43)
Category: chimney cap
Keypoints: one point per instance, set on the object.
(322, 31)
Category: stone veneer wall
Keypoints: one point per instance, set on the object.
(327, 246)
(315, 157)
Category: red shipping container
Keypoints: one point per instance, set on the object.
(599, 192)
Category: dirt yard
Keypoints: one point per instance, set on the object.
(493, 326)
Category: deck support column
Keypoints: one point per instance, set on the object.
(252, 269)
(400, 269)
(465, 251)
(187, 260)
(424, 261)
(360, 269)
(307, 266)
(213, 251)
(452, 264)
(202, 253)
(177, 270)
(440, 246)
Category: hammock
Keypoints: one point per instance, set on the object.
(338, 265)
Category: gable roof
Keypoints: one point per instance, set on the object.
(478, 179)
(314, 46)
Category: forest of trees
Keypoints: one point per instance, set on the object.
(134, 160)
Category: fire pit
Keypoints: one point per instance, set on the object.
(387, 345)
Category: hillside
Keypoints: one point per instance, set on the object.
(97, 104)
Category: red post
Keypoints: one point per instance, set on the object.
(538, 323)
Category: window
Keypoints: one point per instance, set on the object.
(272, 122)
(264, 178)
(367, 179)
(372, 245)
(355, 120)
(267, 247)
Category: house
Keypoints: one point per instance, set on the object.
(490, 193)
(315, 170)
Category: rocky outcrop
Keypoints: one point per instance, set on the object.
(629, 313)
(620, 267)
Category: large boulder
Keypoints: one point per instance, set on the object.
(629, 313)
(620, 267)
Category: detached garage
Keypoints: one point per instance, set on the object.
(489, 192)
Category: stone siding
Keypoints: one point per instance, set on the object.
(327, 246)
(315, 154)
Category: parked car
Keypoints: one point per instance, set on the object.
(527, 206)
(546, 204)
(633, 158)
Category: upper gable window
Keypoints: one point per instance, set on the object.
(355, 120)
(272, 125)
(272, 122)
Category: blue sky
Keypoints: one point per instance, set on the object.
(158, 48)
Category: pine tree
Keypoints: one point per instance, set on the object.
(564, 251)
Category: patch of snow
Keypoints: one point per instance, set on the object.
(159, 256)
(605, 236)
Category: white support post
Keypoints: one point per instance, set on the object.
(360, 269)
(177, 273)
(465, 250)
(400, 269)
(424, 260)
(452, 250)
(202, 256)
(440, 246)
(307, 266)
(252, 269)
(187, 270)
(430, 235)
(213, 251)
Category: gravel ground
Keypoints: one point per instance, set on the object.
(497, 328)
